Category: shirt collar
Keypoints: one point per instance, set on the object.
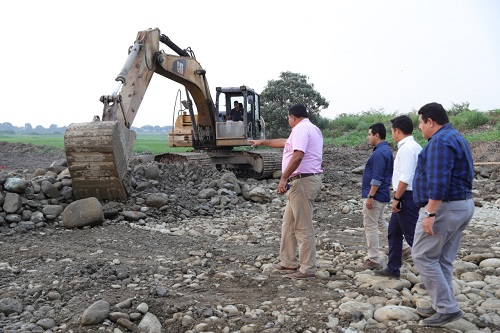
(380, 144)
(406, 139)
(445, 127)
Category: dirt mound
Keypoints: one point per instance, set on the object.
(486, 151)
(22, 156)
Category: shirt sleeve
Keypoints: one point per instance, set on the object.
(408, 164)
(300, 139)
(379, 166)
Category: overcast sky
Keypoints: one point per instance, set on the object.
(59, 57)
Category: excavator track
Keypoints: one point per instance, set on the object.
(250, 164)
(97, 156)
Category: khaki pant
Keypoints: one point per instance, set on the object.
(374, 221)
(297, 228)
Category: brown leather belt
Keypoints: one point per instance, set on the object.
(302, 175)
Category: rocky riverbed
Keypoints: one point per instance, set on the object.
(191, 250)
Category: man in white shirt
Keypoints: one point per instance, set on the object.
(404, 210)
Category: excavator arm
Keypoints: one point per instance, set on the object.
(145, 59)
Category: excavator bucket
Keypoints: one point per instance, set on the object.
(97, 155)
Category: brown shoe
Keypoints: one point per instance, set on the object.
(301, 276)
(283, 268)
(368, 264)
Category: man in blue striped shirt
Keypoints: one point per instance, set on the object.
(442, 187)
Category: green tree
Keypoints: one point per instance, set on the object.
(279, 95)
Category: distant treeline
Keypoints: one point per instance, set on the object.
(28, 129)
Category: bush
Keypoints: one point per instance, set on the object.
(459, 108)
(468, 120)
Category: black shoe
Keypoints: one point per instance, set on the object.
(425, 312)
(439, 319)
(386, 273)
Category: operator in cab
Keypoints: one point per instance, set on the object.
(236, 113)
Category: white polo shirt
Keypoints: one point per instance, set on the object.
(405, 162)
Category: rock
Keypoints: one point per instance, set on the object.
(351, 307)
(359, 170)
(471, 276)
(126, 304)
(157, 200)
(17, 185)
(150, 324)
(10, 305)
(62, 162)
(396, 313)
(133, 215)
(152, 171)
(123, 322)
(95, 314)
(346, 209)
(37, 217)
(259, 195)
(207, 193)
(12, 202)
(145, 158)
(493, 262)
(477, 257)
(39, 172)
(142, 308)
(83, 212)
(46, 323)
(54, 210)
(49, 189)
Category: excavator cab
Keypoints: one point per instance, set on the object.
(236, 133)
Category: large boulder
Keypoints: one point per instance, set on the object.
(84, 212)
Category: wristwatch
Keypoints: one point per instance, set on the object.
(371, 196)
(427, 214)
(397, 199)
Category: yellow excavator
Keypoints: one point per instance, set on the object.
(98, 152)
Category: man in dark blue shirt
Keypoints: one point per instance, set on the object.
(376, 193)
(442, 187)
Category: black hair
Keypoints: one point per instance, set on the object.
(379, 129)
(435, 111)
(298, 110)
(403, 123)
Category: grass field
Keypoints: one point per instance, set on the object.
(154, 143)
(40, 140)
